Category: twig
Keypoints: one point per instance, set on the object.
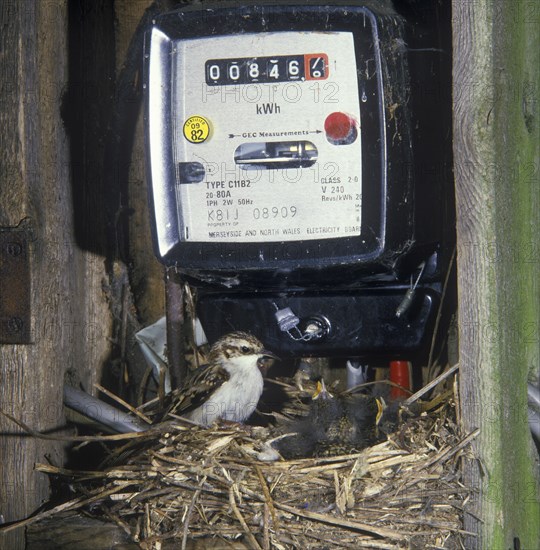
(440, 399)
(354, 389)
(439, 311)
(74, 504)
(353, 525)
(147, 522)
(451, 452)
(151, 432)
(268, 497)
(123, 403)
(189, 512)
(143, 384)
(266, 527)
(242, 521)
(54, 470)
(431, 385)
(126, 291)
(359, 543)
(121, 523)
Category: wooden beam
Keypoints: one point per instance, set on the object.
(147, 272)
(496, 84)
(70, 316)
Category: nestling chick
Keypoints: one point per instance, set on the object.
(334, 425)
(229, 386)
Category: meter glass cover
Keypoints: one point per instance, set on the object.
(253, 160)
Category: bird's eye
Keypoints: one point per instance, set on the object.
(245, 349)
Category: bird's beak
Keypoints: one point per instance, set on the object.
(381, 406)
(266, 360)
(321, 391)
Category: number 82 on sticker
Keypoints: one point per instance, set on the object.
(196, 129)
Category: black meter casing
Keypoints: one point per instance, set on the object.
(225, 143)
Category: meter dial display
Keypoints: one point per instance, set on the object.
(277, 68)
(256, 158)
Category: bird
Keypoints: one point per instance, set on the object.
(334, 425)
(228, 386)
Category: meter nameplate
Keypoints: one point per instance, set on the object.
(267, 170)
(15, 300)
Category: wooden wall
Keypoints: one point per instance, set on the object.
(496, 150)
(59, 63)
(70, 316)
(147, 275)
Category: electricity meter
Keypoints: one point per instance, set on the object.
(281, 171)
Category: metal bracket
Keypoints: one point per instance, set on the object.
(14, 286)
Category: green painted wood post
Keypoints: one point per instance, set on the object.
(496, 49)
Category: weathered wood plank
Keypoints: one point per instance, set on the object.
(70, 317)
(147, 273)
(496, 150)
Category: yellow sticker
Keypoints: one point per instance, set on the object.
(196, 129)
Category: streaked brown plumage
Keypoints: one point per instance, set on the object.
(229, 386)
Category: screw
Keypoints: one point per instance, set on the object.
(14, 249)
(317, 327)
(15, 324)
(313, 328)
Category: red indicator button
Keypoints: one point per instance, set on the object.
(340, 128)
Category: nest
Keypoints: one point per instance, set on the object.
(180, 482)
